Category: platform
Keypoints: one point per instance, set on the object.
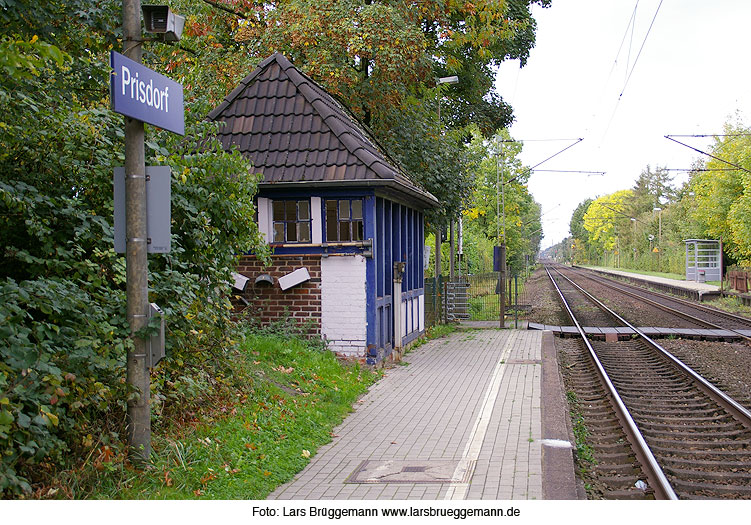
(691, 289)
(476, 415)
(623, 332)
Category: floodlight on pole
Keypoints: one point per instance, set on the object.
(162, 20)
(439, 81)
(659, 228)
(448, 80)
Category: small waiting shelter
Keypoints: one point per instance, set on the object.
(344, 222)
(703, 260)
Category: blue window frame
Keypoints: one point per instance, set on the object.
(344, 220)
(291, 221)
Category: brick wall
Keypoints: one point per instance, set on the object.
(268, 303)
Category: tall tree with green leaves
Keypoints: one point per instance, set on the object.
(653, 189)
(722, 193)
(501, 206)
(381, 58)
(607, 220)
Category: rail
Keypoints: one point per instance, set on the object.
(657, 479)
(715, 393)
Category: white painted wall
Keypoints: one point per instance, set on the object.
(343, 304)
(316, 225)
(421, 312)
(413, 314)
(265, 217)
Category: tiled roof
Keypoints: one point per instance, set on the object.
(294, 132)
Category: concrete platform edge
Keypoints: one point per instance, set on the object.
(558, 472)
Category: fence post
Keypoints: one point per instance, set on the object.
(516, 302)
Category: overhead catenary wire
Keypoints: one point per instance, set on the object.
(633, 66)
(573, 171)
(530, 170)
(670, 137)
(631, 40)
(706, 135)
(700, 169)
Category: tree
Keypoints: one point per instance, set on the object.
(63, 332)
(653, 189)
(381, 59)
(375, 53)
(723, 195)
(579, 233)
(605, 220)
(499, 163)
(576, 225)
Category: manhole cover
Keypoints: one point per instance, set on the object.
(524, 362)
(410, 471)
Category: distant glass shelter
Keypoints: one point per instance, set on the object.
(703, 260)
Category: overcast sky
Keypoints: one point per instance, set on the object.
(583, 80)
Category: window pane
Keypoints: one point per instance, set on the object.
(303, 210)
(278, 210)
(279, 232)
(303, 231)
(332, 230)
(291, 233)
(358, 231)
(344, 231)
(291, 208)
(357, 209)
(332, 227)
(343, 210)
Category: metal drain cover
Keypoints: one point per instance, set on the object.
(410, 471)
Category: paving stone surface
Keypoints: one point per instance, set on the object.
(473, 398)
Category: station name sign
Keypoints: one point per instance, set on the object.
(140, 93)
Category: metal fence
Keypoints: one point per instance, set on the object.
(473, 297)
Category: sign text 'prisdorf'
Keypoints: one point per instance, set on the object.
(143, 94)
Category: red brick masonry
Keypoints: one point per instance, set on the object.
(268, 303)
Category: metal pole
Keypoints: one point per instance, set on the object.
(502, 290)
(516, 302)
(137, 293)
(659, 240)
(461, 244)
(721, 276)
(452, 246)
(438, 302)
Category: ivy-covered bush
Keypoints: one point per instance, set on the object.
(63, 331)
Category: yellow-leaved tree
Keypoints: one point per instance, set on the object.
(605, 217)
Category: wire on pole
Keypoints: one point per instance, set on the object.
(670, 137)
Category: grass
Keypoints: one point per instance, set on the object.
(731, 304)
(436, 331)
(585, 458)
(484, 302)
(484, 307)
(244, 448)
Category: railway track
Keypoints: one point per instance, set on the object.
(699, 314)
(678, 436)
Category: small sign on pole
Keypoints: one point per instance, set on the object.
(158, 209)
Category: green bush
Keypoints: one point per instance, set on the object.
(63, 331)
